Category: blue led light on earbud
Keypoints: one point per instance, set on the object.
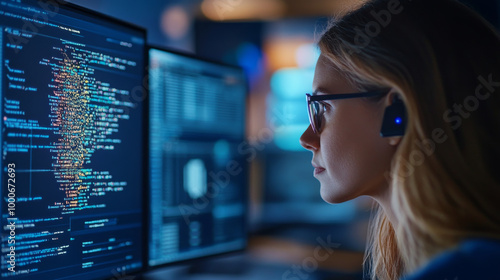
(398, 120)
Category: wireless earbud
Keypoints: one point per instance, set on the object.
(394, 121)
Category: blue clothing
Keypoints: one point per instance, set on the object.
(473, 259)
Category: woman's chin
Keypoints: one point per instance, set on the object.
(333, 196)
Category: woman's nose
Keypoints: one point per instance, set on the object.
(309, 140)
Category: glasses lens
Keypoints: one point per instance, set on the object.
(318, 115)
(315, 114)
(310, 111)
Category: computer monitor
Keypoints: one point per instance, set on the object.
(72, 140)
(198, 175)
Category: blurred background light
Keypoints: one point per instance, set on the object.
(249, 56)
(306, 55)
(287, 109)
(286, 104)
(292, 83)
(175, 22)
(220, 10)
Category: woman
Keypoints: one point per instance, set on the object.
(434, 173)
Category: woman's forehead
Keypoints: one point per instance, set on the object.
(328, 79)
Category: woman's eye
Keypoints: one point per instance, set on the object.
(325, 106)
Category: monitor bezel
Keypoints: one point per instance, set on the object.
(77, 8)
(193, 261)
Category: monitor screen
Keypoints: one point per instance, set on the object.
(198, 177)
(71, 142)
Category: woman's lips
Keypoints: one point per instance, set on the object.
(318, 170)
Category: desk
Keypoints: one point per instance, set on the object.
(271, 258)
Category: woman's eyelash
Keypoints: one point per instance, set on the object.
(325, 104)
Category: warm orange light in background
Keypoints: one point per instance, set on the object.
(219, 10)
(282, 52)
(175, 22)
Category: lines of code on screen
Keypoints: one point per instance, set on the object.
(71, 143)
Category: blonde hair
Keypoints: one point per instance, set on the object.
(439, 56)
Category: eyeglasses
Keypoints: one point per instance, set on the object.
(316, 108)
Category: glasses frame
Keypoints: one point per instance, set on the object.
(311, 98)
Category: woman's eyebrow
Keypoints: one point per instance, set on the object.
(320, 90)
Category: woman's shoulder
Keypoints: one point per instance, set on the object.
(475, 258)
